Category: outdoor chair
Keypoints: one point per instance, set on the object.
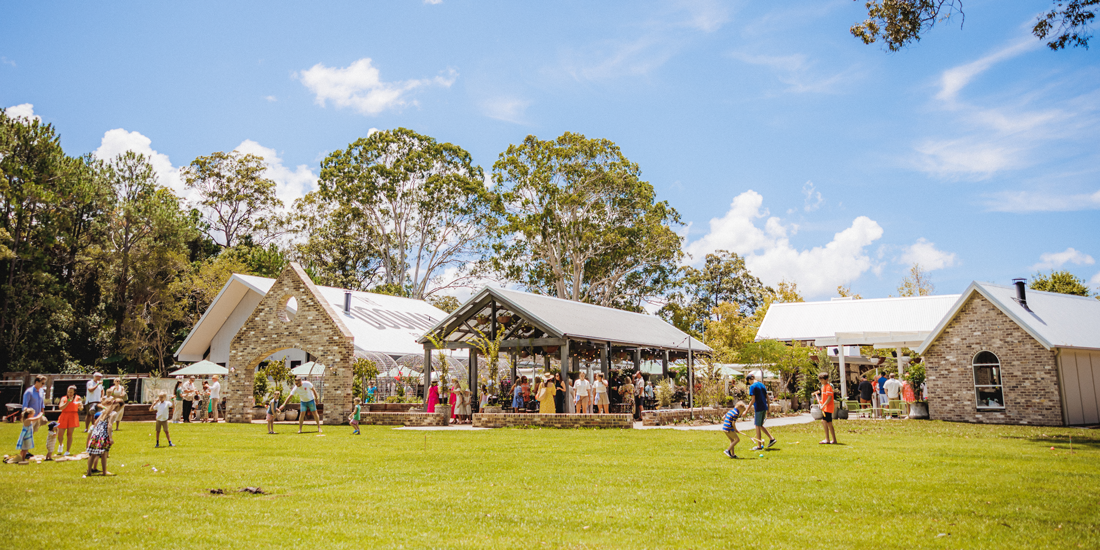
(894, 408)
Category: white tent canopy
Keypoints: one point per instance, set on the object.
(202, 368)
(311, 368)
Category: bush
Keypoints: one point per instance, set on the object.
(915, 376)
(260, 386)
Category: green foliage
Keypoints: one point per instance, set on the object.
(233, 193)
(915, 375)
(449, 304)
(664, 392)
(575, 220)
(260, 386)
(423, 205)
(916, 283)
(363, 370)
(723, 279)
(1062, 282)
(898, 23)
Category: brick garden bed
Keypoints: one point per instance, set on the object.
(505, 420)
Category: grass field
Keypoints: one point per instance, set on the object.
(893, 484)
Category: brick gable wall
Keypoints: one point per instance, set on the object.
(1029, 372)
(315, 329)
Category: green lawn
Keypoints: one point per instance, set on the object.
(894, 484)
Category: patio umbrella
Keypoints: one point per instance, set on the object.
(311, 368)
(202, 368)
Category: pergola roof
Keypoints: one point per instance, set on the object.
(538, 319)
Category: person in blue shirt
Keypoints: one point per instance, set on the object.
(729, 426)
(882, 401)
(32, 399)
(759, 395)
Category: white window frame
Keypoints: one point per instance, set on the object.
(1000, 378)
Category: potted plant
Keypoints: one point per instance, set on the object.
(664, 393)
(915, 376)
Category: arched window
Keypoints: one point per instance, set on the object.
(987, 381)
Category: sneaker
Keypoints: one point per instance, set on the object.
(67, 453)
(771, 443)
(170, 444)
(727, 453)
(157, 446)
(757, 448)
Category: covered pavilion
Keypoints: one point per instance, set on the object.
(534, 325)
(883, 323)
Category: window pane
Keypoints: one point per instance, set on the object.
(987, 376)
(990, 398)
(985, 358)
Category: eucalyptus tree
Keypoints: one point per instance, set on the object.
(336, 246)
(574, 219)
(232, 192)
(423, 203)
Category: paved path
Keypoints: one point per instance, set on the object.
(742, 426)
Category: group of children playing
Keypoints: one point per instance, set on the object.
(273, 408)
(825, 397)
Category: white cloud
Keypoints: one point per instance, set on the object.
(360, 87)
(507, 109)
(1095, 280)
(1037, 201)
(23, 110)
(770, 256)
(925, 253)
(704, 15)
(796, 71)
(967, 157)
(433, 2)
(289, 184)
(1055, 260)
(118, 141)
(271, 98)
(813, 197)
(955, 79)
(6, 61)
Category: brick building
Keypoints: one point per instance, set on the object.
(1008, 355)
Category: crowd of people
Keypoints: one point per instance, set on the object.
(200, 402)
(551, 394)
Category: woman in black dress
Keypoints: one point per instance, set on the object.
(559, 395)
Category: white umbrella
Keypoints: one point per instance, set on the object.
(202, 368)
(308, 369)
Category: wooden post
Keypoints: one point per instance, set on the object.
(472, 377)
(638, 360)
(843, 374)
(514, 360)
(605, 360)
(427, 375)
(664, 364)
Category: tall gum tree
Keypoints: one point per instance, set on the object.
(423, 202)
(575, 220)
(233, 194)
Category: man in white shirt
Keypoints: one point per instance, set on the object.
(92, 398)
(893, 388)
(307, 396)
(215, 395)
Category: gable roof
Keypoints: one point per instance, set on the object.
(378, 322)
(1054, 320)
(578, 321)
(903, 316)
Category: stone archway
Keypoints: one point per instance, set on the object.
(314, 328)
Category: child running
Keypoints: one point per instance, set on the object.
(100, 440)
(354, 418)
(162, 406)
(26, 436)
(729, 425)
(272, 408)
(825, 396)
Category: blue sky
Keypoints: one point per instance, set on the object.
(772, 130)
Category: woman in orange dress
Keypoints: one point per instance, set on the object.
(70, 417)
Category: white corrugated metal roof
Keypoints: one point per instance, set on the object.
(1055, 320)
(581, 321)
(380, 323)
(814, 320)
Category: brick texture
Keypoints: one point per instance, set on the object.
(403, 419)
(315, 328)
(1029, 372)
(505, 420)
(664, 417)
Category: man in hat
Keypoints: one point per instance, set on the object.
(92, 398)
(759, 395)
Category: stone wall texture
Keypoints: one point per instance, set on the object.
(505, 420)
(315, 328)
(665, 417)
(403, 419)
(1029, 372)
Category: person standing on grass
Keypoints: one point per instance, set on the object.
(865, 391)
(826, 397)
(32, 399)
(215, 396)
(92, 397)
(272, 408)
(69, 420)
(639, 394)
(433, 398)
(559, 394)
(354, 418)
(626, 390)
(580, 390)
(729, 426)
(307, 396)
(101, 438)
(188, 394)
(177, 405)
(759, 395)
(893, 389)
(26, 436)
(882, 402)
(161, 406)
(118, 394)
